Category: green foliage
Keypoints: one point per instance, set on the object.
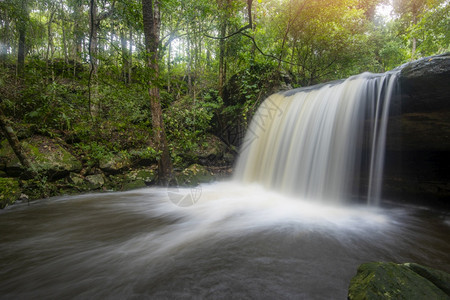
(433, 29)
(187, 122)
(305, 41)
(9, 191)
(93, 153)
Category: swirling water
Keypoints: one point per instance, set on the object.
(234, 241)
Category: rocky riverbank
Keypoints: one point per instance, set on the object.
(61, 169)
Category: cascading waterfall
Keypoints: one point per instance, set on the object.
(321, 142)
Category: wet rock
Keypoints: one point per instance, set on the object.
(9, 191)
(379, 280)
(424, 84)
(418, 137)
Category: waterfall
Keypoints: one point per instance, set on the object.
(323, 143)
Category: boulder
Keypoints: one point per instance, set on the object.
(211, 151)
(95, 181)
(76, 179)
(9, 191)
(138, 179)
(380, 280)
(47, 156)
(115, 164)
(193, 175)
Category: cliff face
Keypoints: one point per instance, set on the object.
(417, 165)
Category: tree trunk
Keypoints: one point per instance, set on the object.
(93, 38)
(21, 51)
(222, 71)
(64, 38)
(4, 38)
(130, 64)
(169, 68)
(93, 50)
(49, 56)
(152, 24)
(14, 143)
(77, 32)
(125, 61)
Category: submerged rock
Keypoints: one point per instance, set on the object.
(379, 280)
(9, 191)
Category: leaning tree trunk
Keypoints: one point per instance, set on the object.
(14, 142)
(152, 23)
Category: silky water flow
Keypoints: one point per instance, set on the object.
(312, 143)
(285, 227)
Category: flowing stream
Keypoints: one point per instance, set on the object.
(236, 242)
(285, 227)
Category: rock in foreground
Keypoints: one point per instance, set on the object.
(378, 280)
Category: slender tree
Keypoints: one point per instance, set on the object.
(22, 28)
(152, 25)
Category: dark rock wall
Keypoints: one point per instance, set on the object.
(417, 164)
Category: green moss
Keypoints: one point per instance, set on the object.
(378, 280)
(9, 191)
(131, 185)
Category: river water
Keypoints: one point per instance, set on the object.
(220, 241)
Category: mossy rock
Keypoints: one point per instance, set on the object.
(95, 181)
(9, 191)
(76, 179)
(144, 157)
(135, 184)
(138, 179)
(193, 175)
(379, 280)
(212, 148)
(9, 161)
(47, 156)
(115, 164)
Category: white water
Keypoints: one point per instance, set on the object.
(310, 142)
